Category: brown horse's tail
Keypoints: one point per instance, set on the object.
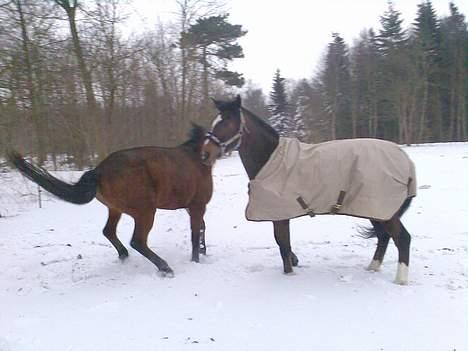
(80, 193)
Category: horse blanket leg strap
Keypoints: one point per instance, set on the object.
(305, 207)
(336, 207)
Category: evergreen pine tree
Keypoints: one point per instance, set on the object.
(364, 70)
(301, 100)
(393, 72)
(214, 40)
(392, 36)
(425, 41)
(454, 75)
(336, 82)
(280, 118)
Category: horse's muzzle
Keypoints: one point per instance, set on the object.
(205, 158)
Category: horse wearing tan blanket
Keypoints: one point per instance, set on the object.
(366, 178)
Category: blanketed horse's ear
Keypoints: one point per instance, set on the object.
(216, 103)
(238, 100)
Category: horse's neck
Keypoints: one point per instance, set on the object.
(257, 146)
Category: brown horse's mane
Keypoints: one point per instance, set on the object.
(196, 137)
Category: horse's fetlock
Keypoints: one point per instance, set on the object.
(135, 244)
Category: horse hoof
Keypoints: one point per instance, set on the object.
(294, 260)
(374, 266)
(167, 272)
(122, 258)
(290, 273)
(196, 259)
(400, 282)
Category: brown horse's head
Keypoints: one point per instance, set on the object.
(226, 131)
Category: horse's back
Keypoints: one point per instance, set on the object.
(149, 177)
(376, 177)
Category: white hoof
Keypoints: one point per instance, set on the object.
(402, 274)
(374, 266)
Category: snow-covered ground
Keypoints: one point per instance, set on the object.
(62, 287)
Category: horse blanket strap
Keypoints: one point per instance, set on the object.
(336, 207)
(371, 177)
(305, 207)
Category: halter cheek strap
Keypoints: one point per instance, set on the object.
(223, 145)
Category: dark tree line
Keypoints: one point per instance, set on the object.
(407, 85)
(71, 83)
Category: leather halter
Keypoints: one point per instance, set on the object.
(223, 145)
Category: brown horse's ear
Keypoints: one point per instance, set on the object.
(238, 101)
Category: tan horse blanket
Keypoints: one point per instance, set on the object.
(367, 178)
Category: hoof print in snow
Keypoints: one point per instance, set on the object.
(425, 186)
(346, 278)
(79, 257)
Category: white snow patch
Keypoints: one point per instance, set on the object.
(62, 286)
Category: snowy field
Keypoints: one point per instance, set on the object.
(62, 287)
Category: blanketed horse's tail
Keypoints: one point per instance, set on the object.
(377, 229)
(80, 193)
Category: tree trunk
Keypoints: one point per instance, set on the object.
(422, 120)
(36, 115)
(70, 10)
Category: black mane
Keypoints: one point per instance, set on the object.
(196, 136)
(262, 123)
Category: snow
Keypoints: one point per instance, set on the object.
(63, 288)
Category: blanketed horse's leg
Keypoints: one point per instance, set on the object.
(382, 243)
(143, 225)
(402, 240)
(109, 232)
(196, 224)
(282, 237)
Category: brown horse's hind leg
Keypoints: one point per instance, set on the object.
(109, 232)
(402, 240)
(143, 225)
(382, 243)
(282, 237)
(196, 224)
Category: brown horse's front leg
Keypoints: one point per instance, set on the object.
(202, 238)
(281, 230)
(196, 223)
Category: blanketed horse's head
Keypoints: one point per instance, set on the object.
(226, 131)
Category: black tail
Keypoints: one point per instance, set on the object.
(371, 232)
(377, 230)
(80, 193)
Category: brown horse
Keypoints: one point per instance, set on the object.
(235, 126)
(137, 182)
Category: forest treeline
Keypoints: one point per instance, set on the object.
(72, 83)
(406, 85)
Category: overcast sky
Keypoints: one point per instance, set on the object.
(291, 35)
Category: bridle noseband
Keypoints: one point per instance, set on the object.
(224, 145)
